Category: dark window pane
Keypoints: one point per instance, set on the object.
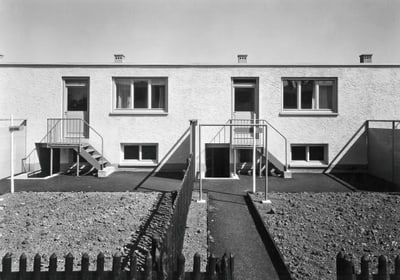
(158, 96)
(289, 95)
(325, 94)
(307, 89)
(244, 100)
(131, 152)
(123, 94)
(298, 153)
(140, 95)
(77, 98)
(316, 153)
(149, 152)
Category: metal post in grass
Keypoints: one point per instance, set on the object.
(12, 152)
(201, 200)
(254, 153)
(266, 200)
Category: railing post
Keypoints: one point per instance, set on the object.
(393, 147)
(266, 200)
(201, 200)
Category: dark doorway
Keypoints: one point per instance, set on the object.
(217, 162)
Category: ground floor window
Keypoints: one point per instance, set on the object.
(316, 153)
(139, 153)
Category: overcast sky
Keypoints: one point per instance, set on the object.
(199, 31)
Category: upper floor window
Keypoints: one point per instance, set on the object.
(140, 94)
(310, 94)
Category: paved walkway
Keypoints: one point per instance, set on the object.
(116, 182)
(232, 227)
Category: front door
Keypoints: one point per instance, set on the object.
(217, 161)
(76, 107)
(244, 98)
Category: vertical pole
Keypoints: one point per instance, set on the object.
(254, 154)
(201, 200)
(77, 161)
(234, 160)
(51, 161)
(266, 200)
(12, 152)
(393, 143)
(260, 155)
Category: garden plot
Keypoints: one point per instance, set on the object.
(311, 228)
(77, 223)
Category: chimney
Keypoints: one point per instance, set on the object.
(242, 58)
(119, 58)
(366, 58)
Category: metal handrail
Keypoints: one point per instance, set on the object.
(57, 123)
(251, 121)
(23, 160)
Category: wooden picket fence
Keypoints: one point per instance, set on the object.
(155, 269)
(345, 268)
(171, 242)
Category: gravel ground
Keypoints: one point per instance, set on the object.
(75, 222)
(196, 233)
(311, 228)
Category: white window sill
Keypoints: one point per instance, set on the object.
(308, 113)
(138, 112)
(307, 164)
(138, 164)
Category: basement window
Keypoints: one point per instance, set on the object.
(310, 95)
(313, 153)
(140, 154)
(139, 95)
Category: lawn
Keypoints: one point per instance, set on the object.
(72, 222)
(311, 228)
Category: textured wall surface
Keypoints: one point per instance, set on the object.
(203, 93)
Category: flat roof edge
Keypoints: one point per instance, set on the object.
(112, 65)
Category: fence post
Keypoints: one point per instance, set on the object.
(53, 267)
(231, 265)
(164, 267)
(36, 267)
(212, 263)
(344, 267)
(100, 266)
(148, 270)
(196, 266)
(397, 268)
(116, 266)
(69, 266)
(85, 267)
(181, 267)
(133, 267)
(22, 267)
(365, 271)
(7, 262)
(224, 267)
(383, 273)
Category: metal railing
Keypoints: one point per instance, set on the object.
(68, 132)
(240, 132)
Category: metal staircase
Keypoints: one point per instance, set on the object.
(73, 134)
(259, 134)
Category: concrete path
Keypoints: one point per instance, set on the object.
(232, 228)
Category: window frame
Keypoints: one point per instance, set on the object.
(307, 160)
(314, 110)
(151, 81)
(139, 161)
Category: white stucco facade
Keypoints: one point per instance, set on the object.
(35, 93)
